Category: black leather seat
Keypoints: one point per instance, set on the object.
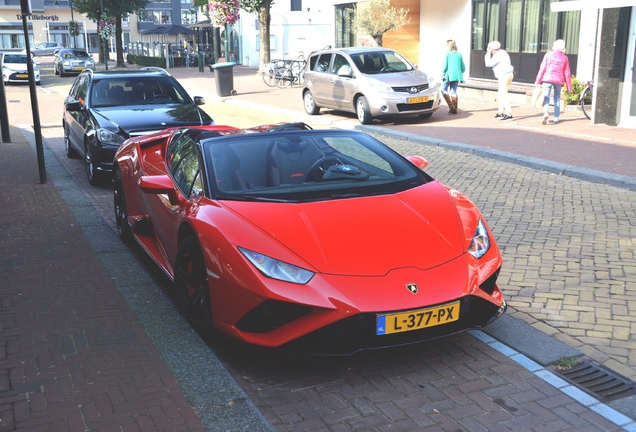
(289, 161)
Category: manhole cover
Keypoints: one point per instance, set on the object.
(600, 382)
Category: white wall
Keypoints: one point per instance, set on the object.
(439, 22)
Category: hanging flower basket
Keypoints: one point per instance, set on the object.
(224, 12)
(106, 28)
(73, 28)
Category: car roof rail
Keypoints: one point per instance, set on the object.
(155, 69)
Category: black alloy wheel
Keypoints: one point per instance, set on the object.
(121, 210)
(191, 286)
(94, 177)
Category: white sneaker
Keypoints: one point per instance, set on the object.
(545, 118)
(556, 120)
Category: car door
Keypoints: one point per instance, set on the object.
(184, 167)
(343, 87)
(320, 81)
(76, 121)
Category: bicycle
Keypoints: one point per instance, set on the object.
(586, 98)
(291, 74)
(269, 72)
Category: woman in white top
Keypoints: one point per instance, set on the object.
(499, 61)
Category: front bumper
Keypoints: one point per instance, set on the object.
(387, 104)
(19, 76)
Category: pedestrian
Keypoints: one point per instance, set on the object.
(553, 73)
(452, 75)
(499, 61)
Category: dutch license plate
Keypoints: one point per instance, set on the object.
(417, 319)
(415, 100)
(22, 75)
(79, 68)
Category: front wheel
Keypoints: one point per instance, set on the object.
(586, 108)
(310, 104)
(68, 148)
(191, 285)
(94, 177)
(268, 78)
(362, 110)
(283, 77)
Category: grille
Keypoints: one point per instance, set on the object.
(419, 88)
(415, 107)
(600, 382)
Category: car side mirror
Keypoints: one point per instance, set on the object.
(161, 184)
(345, 71)
(418, 161)
(73, 105)
(199, 100)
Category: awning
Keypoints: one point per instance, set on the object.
(572, 5)
(168, 30)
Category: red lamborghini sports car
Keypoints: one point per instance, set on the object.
(308, 241)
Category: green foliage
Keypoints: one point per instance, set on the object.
(376, 17)
(566, 363)
(572, 98)
(254, 6)
(147, 61)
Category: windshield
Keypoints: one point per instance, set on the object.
(380, 62)
(301, 166)
(133, 90)
(15, 58)
(67, 54)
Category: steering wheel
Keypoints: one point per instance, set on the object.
(162, 96)
(387, 69)
(319, 167)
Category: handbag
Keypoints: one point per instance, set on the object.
(537, 96)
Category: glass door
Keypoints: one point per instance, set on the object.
(628, 108)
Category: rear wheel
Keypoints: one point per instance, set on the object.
(121, 210)
(362, 110)
(191, 285)
(310, 104)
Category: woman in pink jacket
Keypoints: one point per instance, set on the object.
(553, 73)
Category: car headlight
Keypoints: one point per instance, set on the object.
(107, 137)
(481, 241)
(275, 269)
(431, 81)
(380, 86)
(66, 62)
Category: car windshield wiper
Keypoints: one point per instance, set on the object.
(252, 198)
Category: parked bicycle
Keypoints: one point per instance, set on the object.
(586, 99)
(269, 71)
(284, 73)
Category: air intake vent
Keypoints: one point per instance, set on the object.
(600, 382)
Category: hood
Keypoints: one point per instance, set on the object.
(148, 118)
(364, 236)
(401, 79)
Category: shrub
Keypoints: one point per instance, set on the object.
(572, 98)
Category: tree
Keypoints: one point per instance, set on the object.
(117, 9)
(262, 9)
(376, 17)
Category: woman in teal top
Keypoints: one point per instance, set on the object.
(452, 75)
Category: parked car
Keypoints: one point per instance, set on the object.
(15, 69)
(105, 108)
(371, 82)
(72, 61)
(308, 241)
(44, 49)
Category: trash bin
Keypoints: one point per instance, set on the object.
(224, 76)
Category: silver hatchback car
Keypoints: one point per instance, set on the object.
(371, 82)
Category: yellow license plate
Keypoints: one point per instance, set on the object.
(417, 319)
(417, 100)
(22, 75)
(79, 68)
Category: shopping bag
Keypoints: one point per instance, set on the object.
(537, 97)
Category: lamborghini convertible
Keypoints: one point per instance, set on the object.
(308, 241)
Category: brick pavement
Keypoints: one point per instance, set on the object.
(457, 383)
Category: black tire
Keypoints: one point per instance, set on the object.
(363, 112)
(56, 70)
(191, 286)
(121, 208)
(310, 103)
(68, 149)
(584, 107)
(283, 77)
(268, 78)
(94, 176)
(62, 74)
